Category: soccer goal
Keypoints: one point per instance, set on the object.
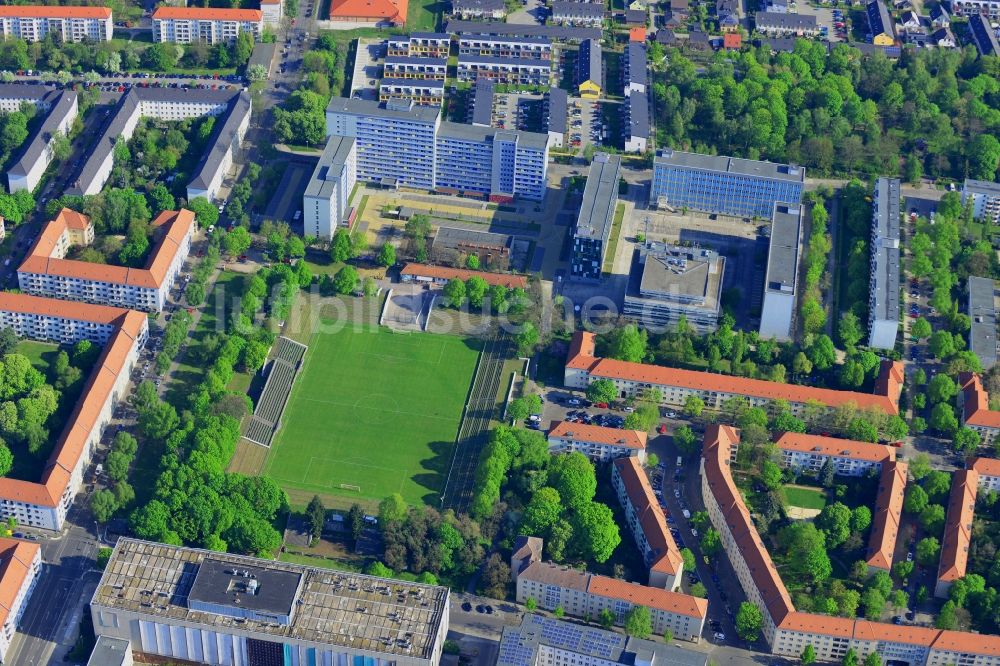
(348, 486)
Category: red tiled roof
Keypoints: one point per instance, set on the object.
(445, 273)
(732, 40)
(54, 11)
(886, 397)
(987, 466)
(393, 11)
(809, 623)
(637, 35)
(207, 14)
(893, 633)
(582, 348)
(650, 597)
(958, 525)
(976, 403)
(963, 641)
(15, 565)
(582, 432)
(832, 447)
(651, 520)
(888, 508)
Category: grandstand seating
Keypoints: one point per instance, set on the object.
(266, 417)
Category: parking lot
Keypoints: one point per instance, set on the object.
(831, 21)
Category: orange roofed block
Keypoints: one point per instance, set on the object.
(957, 530)
(20, 564)
(392, 12)
(637, 35)
(413, 272)
(888, 509)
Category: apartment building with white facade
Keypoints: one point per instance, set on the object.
(883, 296)
(974, 406)
(505, 71)
(122, 333)
(224, 145)
(647, 523)
(33, 23)
(46, 271)
(598, 443)
(272, 12)
(224, 609)
(809, 453)
(675, 384)
(324, 203)
(505, 46)
(208, 25)
(987, 473)
(987, 8)
(61, 108)
(419, 45)
(20, 564)
(984, 195)
(427, 92)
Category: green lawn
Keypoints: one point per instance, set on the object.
(373, 409)
(423, 15)
(616, 230)
(805, 498)
(41, 354)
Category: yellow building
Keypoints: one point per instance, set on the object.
(589, 69)
(880, 24)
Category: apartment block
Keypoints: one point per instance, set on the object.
(723, 185)
(583, 367)
(984, 196)
(224, 146)
(974, 405)
(60, 108)
(271, 11)
(494, 163)
(47, 272)
(987, 8)
(676, 281)
(809, 453)
(184, 25)
(781, 276)
(592, 231)
(505, 46)
(647, 523)
(326, 198)
(589, 69)
(988, 473)
(886, 516)
(636, 128)
(785, 24)
(419, 45)
(957, 530)
(578, 13)
(983, 320)
(415, 67)
(513, 32)
(881, 27)
(20, 564)
(426, 92)
(33, 23)
(479, 9)
(635, 78)
(598, 443)
(218, 608)
(883, 295)
(556, 115)
(505, 71)
(122, 333)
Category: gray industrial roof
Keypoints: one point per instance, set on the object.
(575, 10)
(467, 59)
(735, 165)
(61, 103)
(482, 103)
(452, 237)
(635, 55)
(599, 197)
(519, 645)
(364, 107)
(460, 131)
(565, 33)
(223, 140)
(983, 318)
(589, 65)
(785, 21)
(109, 652)
(689, 275)
(885, 273)
(558, 107)
(783, 250)
(256, 588)
(328, 169)
(638, 115)
(987, 187)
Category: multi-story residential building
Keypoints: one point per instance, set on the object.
(983, 320)
(886, 516)
(46, 271)
(426, 92)
(419, 45)
(985, 198)
(122, 333)
(636, 129)
(324, 203)
(20, 564)
(544, 640)
(556, 114)
(883, 288)
(881, 27)
(594, 222)
(506, 71)
(987, 8)
(781, 276)
(974, 404)
(479, 9)
(482, 103)
(271, 10)
(809, 453)
(647, 523)
(208, 25)
(598, 443)
(957, 530)
(634, 75)
(582, 594)
(676, 281)
(415, 67)
(518, 32)
(578, 13)
(723, 185)
(217, 608)
(170, 104)
(675, 384)
(61, 109)
(988, 471)
(784, 24)
(33, 23)
(510, 46)
(983, 35)
(489, 162)
(589, 69)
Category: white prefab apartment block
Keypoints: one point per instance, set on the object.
(61, 109)
(782, 269)
(272, 12)
(184, 25)
(985, 197)
(20, 564)
(224, 145)
(324, 203)
(883, 298)
(222, 609)
(33, 23)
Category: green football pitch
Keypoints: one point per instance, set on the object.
(373, 413)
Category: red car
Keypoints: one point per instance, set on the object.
(662, 429)
(601, 405)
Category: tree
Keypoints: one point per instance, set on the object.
(920, 329)
(346, 280)
(652, 460)
(850, 331)
(862, 430)
(711, 542)
(204, 212)
(541, 512)
(821, 352)
(941, 344)
(688, 557)
(749, 621)
(638, 622)
(472, 262)
(808, 656)
(530, 604)
(627, 343)
(902, 570)
(527, 338)
(943, 418)
(946, 618)
(602, 390)
(159, 420)
(916, 500)
(872, 603)
(965, 440)
(941, 388)
(256, 72)
(693, 406)
(316, 516)
(927, 551)
(391, 509)
(873, 659)
(103, 505)
(861, 519)
(387, 254)
(835, 521)
(376, 568)
(341, 247)
(932, 519)
(369, 287)
(699, 590)
(770, 475)
(685, 440)
(237, 241)
(595, 531)
(355, 522)
(454, 293)
(920, 466)
(850, 658)
(475, 290)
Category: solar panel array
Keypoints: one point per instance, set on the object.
(266, 418)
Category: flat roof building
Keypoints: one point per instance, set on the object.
(594, 221)
(723, 185)
(419, 44)
(556, 115)
(482, 103)
(983, 320)
(883, 295)
(590, 69)
(781, 276)
(452, 244)
(209, 25)
(326, 198)
(111, 652)
(637, 118)
(196, 605)
(427, 92)
(984, 196)
(676, 281)
(528, 71)
(33, 23)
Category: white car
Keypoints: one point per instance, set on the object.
(719, 636)
(671, 415)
